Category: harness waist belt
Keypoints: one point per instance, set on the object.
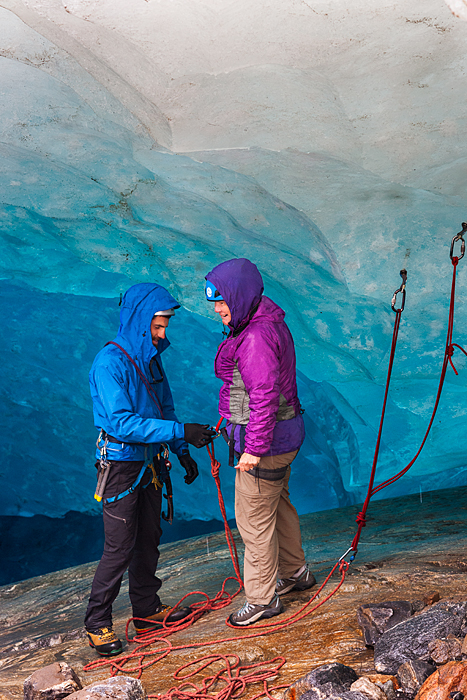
(120, 442)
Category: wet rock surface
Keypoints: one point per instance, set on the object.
(41, 618)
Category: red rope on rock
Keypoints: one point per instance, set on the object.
(145, 658)
(234, 683)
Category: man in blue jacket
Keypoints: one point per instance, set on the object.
(133, 409)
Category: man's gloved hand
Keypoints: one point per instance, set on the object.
(190, 466)
(198, 435)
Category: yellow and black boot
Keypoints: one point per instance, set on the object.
(104, 641)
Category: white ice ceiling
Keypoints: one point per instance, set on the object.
(376, 82)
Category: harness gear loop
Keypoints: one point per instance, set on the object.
(459, 237)
(165, 466)
(155, 479)
(104, 466)
(403, 274)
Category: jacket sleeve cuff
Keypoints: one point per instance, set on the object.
(179, 431)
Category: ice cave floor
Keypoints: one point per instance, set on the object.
(411, 547)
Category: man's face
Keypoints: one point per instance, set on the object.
(158, 326)
(221, 308)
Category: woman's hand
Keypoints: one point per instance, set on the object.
(247, 462)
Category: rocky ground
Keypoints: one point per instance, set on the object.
(411, 548)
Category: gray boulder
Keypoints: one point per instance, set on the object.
(328, 682)
(409, 640)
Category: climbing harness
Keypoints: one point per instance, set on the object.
(235, 683)
(104, 466)
(136, 483)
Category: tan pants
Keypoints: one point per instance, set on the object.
(269, 526)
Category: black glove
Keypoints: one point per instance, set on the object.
(190, 466)
(198, 435)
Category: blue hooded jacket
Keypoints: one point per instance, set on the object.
(122, 404)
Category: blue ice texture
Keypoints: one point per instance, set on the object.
(90, 204)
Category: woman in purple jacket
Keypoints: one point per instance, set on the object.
(264, 430)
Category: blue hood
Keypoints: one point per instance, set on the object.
(139, 304)
(240, 285)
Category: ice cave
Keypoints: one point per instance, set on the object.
(150, 140)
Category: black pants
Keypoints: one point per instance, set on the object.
(132, 534)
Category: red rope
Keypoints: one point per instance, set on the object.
(234, 683)
(145, 658)
(234, 677)
(448, 353)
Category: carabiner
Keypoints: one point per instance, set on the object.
(350, 549)
(403, 274)
(218, 432)
(459, 237)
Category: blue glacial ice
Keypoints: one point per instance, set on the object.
(90, 204)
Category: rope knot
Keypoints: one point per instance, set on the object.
(343, 566)
(215, 466)
(455, 260)
(361, 519)
(450, 350)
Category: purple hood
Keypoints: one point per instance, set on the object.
(256, 364)
(240, 285)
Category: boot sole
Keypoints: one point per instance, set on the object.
(114, 652)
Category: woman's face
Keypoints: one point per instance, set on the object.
(221, 308)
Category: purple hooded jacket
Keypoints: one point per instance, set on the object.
(257, 365)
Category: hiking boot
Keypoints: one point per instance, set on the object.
(300, 581)
(154, 621)
(104, 641)
(250, 613)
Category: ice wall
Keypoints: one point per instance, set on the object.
(331, 158)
